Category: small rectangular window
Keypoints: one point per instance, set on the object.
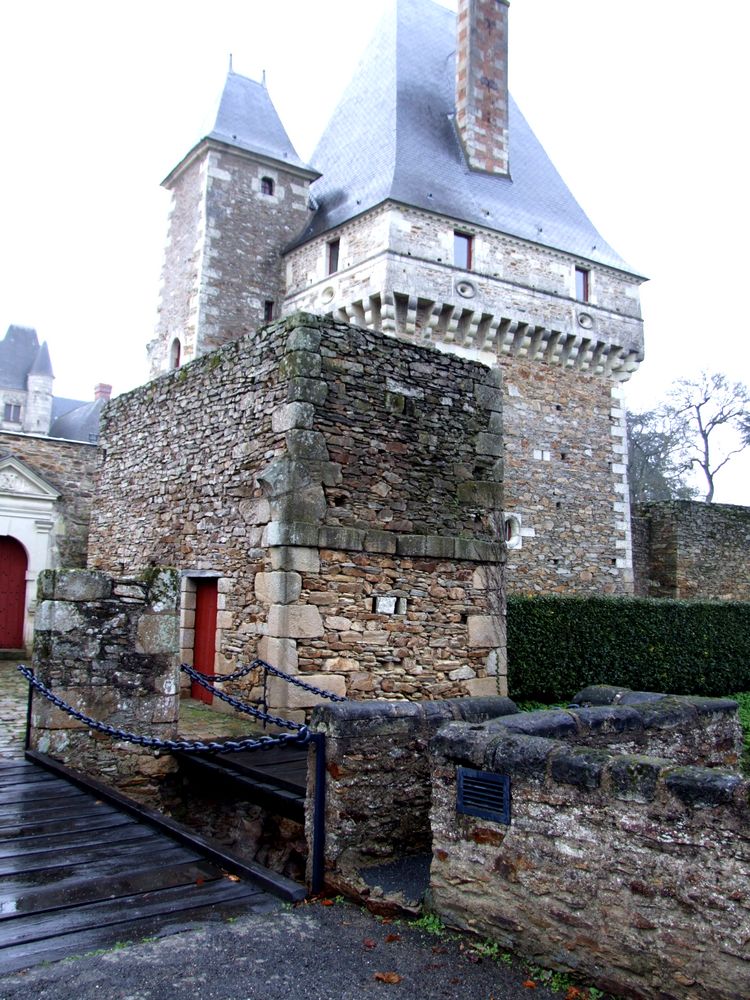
(13, 413)
(463, 246)
(268, 310)
(333, 256)
(582, 284)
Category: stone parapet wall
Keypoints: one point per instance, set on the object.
(107, 646)
(693, 550)
(629, 869)
(396, 273)
(344, 488)
(378, 778)
(70, 467)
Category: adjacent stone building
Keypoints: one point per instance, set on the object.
(48, 459)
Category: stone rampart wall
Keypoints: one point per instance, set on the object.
(378, 778)
(108, 648)
(628, 869)
(693, 550)
(70, 467)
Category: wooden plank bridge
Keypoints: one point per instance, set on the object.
(82, 868)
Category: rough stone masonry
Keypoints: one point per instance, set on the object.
(345, 491)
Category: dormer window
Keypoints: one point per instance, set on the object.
(267, 185)
(333, 256)
(582, 284)
(463, 248)
(12, 413)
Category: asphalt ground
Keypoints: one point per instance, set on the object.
(309, 952)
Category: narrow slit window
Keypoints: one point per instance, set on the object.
(582, 284)
(268, 310)
(266, 185)
(333, 256)
(463, 250)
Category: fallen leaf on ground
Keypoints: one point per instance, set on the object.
(326, 902)
(387, 977)
(573, 993)
(392, 937)
(529, 984)
(369, 943)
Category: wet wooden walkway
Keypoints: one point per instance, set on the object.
(78, 873)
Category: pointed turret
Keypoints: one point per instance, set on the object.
(38, 411)
(238, 197)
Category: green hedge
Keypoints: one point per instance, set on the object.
(558, 645)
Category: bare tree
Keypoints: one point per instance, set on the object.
(655, 470)
(711, 420)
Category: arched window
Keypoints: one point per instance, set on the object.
(512, 531)
(266, 185)
(175, 352)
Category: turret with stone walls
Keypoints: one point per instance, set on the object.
(238, 198)
(437, 218)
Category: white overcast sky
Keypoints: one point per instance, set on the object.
(640, 104)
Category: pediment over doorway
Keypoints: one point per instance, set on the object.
(18, 479)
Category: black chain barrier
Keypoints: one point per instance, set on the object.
(268, 669)
(237, 705)
(300, 738)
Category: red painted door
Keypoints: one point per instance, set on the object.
(13, 565)
(204, 647)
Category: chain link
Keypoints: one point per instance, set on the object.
(300, 738)
(237, 705)
(268, 669)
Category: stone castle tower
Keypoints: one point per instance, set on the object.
(432, 214)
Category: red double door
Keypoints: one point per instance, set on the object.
(13, 565)
(204, 646)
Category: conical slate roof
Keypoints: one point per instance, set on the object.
(392, 137)
(248, 120)
(42, 364)
(18, 351)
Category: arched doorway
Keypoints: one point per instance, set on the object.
(13, 565)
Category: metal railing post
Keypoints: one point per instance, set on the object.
(319, 814)
(27, 740)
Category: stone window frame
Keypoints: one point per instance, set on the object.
(267, 185)
(513, 531)
(268, 308)
(333, 255)
(582, 279)
(175, 354)
(13, 413)
(463, 249)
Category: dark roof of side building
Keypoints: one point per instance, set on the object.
(77, 422)
(392, 137)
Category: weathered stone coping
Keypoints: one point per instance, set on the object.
(403, 718)
(500, 749)
(608, 694)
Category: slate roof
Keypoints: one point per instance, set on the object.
(21, 356)
(18, 352)
(248, 120)
(392, 137)
(76, 421)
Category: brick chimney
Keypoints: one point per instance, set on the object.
(102, 391)
(482, 83)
